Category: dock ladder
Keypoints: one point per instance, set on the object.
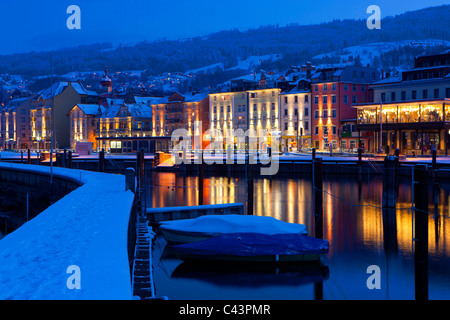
(374, 165)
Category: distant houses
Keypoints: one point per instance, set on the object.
(338, 108)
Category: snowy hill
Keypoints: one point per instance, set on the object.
(369, 53)
(254, 61)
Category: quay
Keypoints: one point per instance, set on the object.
(348, 164)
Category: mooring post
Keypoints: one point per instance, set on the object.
(318, 197)
(130, 180)
(421, 232)
(70, 159)
(390, 182)
(142, 164)
(360, 151)
(200, 183)
(65, 158)
(433, 154)
(250, 185)
(101, 161)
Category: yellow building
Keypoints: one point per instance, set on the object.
(125, 128)
(84, 124)
(256, 110)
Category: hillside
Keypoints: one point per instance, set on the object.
(293, 43)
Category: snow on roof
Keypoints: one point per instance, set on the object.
(91, 109)
(196, 97)
(392, 79)
(139, 110)
(296, 91)
(87, 228)
(114, 101)
(146, 100)
(58, 87)
(111, 111)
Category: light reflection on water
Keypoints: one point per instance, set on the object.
(359, 231)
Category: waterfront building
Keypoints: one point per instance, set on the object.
(85, 124)
(256, 109)
(65, 96)
(179, 111)
(8, 127)
(295, 118)
(413, 106)
(125, 128)
(415, 127)
(334, 89)
(15, 124)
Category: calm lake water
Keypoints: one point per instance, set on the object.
(360, 233)
(13, 205)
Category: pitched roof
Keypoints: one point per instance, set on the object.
(139, 110)
(111, 111)
(196, 97)
(58, 87)
(92, 109)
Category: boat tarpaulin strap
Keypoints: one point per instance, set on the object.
(256, 244)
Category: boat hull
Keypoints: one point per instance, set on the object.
(254, 247)
(250, 259)
(176, 236)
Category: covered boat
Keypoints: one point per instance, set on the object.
(204, 227)
(254, 247)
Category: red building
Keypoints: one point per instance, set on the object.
(334, 89)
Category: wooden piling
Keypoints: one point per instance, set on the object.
(101, 161)
(250, 186)
(70, 159)
(421, 232)
(200, 183)
(389, 183)
(317, 175)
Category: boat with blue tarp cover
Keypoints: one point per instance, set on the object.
(204, 227)
(254, 247)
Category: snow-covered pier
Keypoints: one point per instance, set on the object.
(76, 248)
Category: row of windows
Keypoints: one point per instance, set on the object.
(334, 99)
(425, 94)
(325, 113)
(305, 99)
(325, 130)
(305, 112)
(325, 87)
(253, 95)
(305, 125)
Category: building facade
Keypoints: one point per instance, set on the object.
(415, 127)
(180, 112)
(410, 110)
(85, 124)
(125, 128)
(295, 118)
(334, 90)
(62, 97)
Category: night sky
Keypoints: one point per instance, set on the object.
(41, 25)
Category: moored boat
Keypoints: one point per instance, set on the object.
(205, 227)
(254, 247)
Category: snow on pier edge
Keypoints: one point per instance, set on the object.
(87, 228)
